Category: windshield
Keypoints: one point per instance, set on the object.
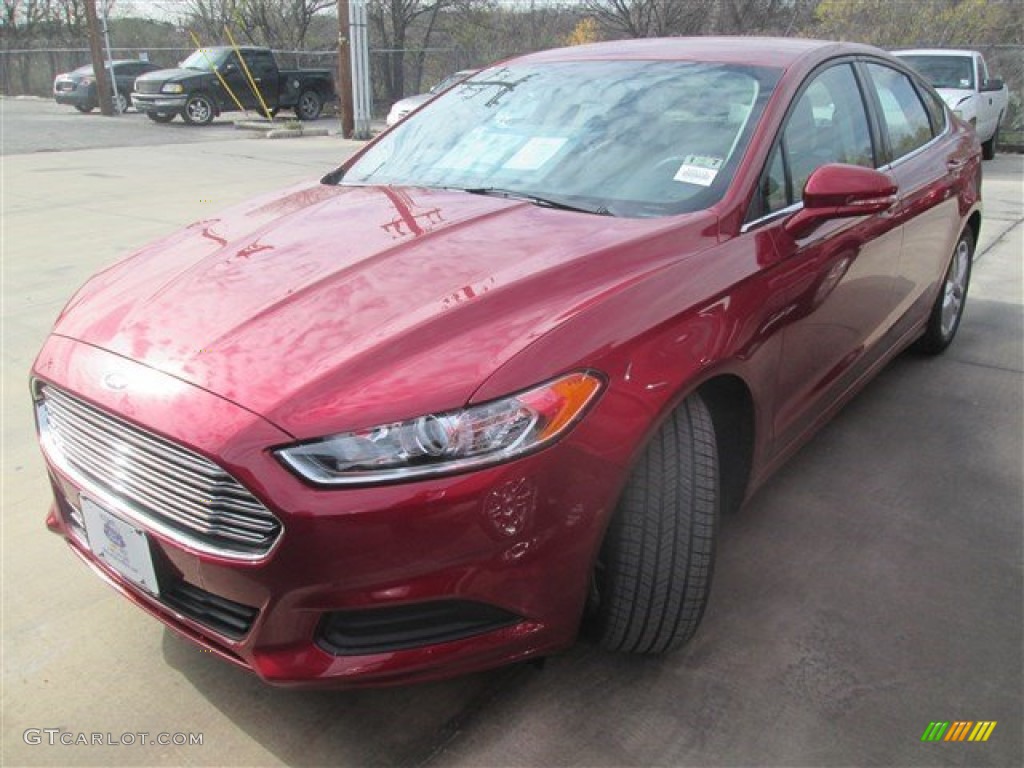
(627, 138)
(205, 59)
(944, 71)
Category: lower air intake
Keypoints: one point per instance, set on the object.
(380, 630)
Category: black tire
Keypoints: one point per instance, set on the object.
(654, 573)
(309, 106)
(160, 117)
(121, 103)
(944, 320)
(199, 109)
(988, 148)
(85, 108)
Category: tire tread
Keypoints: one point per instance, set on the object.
(660, 545)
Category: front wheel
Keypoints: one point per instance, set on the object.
(309, 105)
(653, 575)
(199, 109)
(949, 304)
(84, 108)
(988, 148)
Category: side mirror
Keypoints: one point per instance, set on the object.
(838, 191)
(992, 84)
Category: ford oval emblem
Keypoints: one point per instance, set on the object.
(115, 381)
(113, 535)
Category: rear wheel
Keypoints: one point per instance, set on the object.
(654, 573)
(309, 105)
(199, 109)
(121, 103)
(949, 304)
(160, 117)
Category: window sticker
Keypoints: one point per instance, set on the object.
(480, 149)
(698, 169)
(534, 154)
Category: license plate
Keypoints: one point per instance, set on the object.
(120, 545)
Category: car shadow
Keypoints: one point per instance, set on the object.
(402, 725)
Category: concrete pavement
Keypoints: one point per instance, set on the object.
(873, 586)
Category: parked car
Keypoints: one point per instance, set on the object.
(403, 107)
(78, 87)
(962, 79)
(498, 375)
(210, 81)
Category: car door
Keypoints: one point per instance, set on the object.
(988, 109)
(832, 289)
(924, 160)
(234, 76)
(263, 69)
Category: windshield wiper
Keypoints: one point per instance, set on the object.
(546, 202)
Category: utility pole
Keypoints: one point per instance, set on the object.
(343, 84)
(99, 69)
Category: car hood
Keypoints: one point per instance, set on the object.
(953, 96)
(330, 308)
(170, 75)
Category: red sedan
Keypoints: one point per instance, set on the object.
(497, 377)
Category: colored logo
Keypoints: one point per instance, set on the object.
(959, 730)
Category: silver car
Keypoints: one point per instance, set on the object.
(403, 107)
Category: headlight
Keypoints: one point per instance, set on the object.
(443, 443)
(172, 88)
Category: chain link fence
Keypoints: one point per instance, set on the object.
(32, 71)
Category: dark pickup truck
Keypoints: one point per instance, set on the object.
(195, 91)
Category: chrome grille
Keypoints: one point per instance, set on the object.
(148, 86)
(164, 485)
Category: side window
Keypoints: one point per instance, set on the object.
(903, 113)
(828, 124)
(230, 60)
(936, 110)
(259, 61)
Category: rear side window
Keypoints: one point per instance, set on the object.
(936, 110)
(905, 118)
(260, 61)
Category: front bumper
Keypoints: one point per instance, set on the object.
(147, 102)
(510, 547)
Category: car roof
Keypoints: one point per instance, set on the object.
(934, 52)
(759, 51)
(115, 62)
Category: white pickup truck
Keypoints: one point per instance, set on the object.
(962, 79)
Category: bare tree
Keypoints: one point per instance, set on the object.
(763, 16)
(651, 18)
(399, 25)
(275, 23)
